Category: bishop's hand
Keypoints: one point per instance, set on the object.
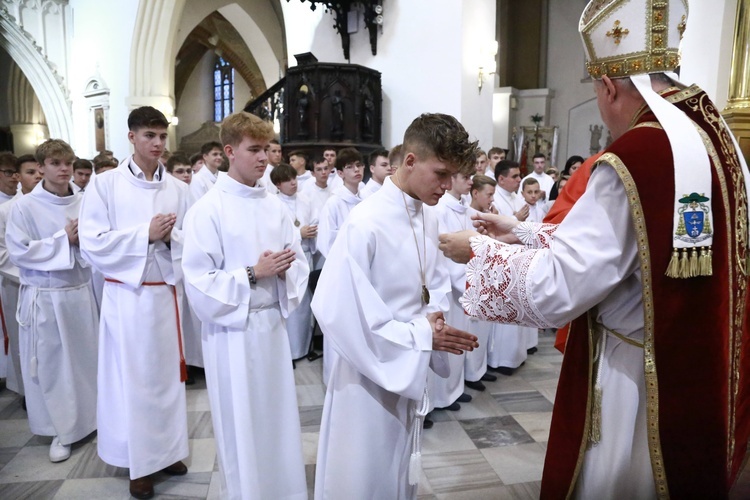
(498, 226)
(449, 339)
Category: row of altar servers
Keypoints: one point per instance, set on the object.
(501, 346)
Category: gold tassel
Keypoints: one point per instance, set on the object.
(693, 262)
(673, 269)
(595, 431)
(709, 271)
(684, 264)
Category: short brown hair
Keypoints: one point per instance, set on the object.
(377, 153)
(104, 163)
(82, 163)
(346, 156)
(23, 159)
(396, 156)
(241, 124)
(177, 159)
(53, 148)
(529, 182)
(443, 137)
(146, 116)
(210, 146)
(479, 181)
(495, 151)
(282, 172)
(9, 160)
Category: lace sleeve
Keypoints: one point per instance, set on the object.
(497, 284)
(535, 235)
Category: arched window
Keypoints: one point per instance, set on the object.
(223, 89)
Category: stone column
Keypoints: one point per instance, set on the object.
(737, 112)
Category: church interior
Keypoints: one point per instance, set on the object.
(331, 74)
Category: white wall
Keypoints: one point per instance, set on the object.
(707, 47)
(196, 104)
(478, 31)
(565, 70)
(421, 60)
(102, 39)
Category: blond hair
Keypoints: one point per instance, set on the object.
(239, 125)
(53, 148)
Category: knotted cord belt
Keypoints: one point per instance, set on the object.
(183, 364)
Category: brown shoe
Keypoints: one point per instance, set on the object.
(176, 469)
(143, 487)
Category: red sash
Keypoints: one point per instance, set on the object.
(183, 364)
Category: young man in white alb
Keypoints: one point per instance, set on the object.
(244, 274)
(380, 168)
(206, 176)
(131, 231)
(57, 314)
(381, 308)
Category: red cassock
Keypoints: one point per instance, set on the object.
(696, 333)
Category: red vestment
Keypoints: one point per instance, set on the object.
(696, 330)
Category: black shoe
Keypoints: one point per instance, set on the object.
(531, 350)
(477, 386)
(504, 370)
(142, 488)
(451, 407)
(427, 424)
(488, 377)
(23, 403)
(464, 398)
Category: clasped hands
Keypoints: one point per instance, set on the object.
(457, 246)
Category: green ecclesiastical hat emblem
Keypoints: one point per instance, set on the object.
(694, 224)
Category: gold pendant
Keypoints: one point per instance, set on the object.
(296, 223)
(425, 295)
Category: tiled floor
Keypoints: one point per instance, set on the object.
(493, 448)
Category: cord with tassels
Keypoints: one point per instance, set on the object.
(697, 261)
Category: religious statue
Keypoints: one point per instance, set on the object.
(337, 115)
(596, 137)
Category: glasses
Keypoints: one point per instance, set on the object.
(8, 173)
(354, 166)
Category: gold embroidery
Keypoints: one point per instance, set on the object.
(681, 26)
(738, 240)
(589, 401)
(716, 162)
(617, 32)
(649, 356)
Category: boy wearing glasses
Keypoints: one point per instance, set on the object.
(29, 176)
(179, 166)
(57, 313)
(8, 177)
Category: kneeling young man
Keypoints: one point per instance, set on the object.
(245, 272)
(380, 303)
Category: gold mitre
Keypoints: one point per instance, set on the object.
(631, 37)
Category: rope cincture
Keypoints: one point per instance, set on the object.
(415, 461)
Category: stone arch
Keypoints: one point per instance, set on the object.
(157, 38)
(46, 82)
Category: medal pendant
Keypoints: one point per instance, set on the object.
(425, 295)
(296, 223)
